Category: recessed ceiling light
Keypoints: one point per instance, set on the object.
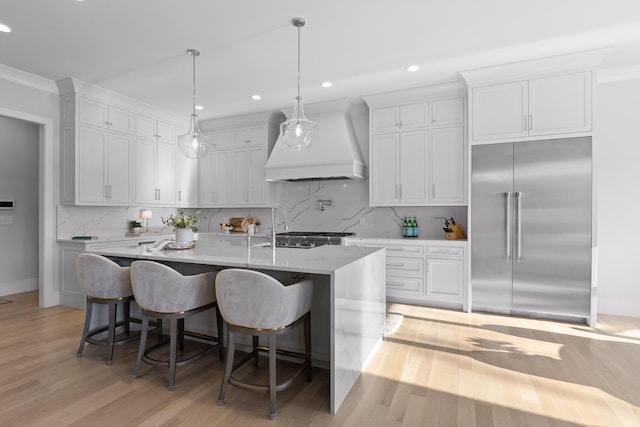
(412, 68)
(327, 84)
(198, 107)
(256, 97)
(4, 28)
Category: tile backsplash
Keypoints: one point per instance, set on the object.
(350, 211)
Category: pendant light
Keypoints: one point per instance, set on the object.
(298, 132)
(194, 144)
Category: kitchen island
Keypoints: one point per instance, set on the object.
(348, 310)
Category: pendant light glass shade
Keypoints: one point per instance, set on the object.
(194, 144)
(298, 132)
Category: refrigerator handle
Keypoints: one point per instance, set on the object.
(518, 196)
(507, 197)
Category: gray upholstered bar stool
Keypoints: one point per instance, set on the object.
(163, 293)
(256, 304)
(104, 282)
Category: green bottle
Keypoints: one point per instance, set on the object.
(414, 227)
(405, 227)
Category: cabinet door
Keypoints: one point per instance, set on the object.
(119, 160)
(500, 111)
(186, 180)
(166, 132)
(414, 116)
(239, 175)
(165, 174)
(445, 278)
(446, 112)
(145, 127)
(447, 165)
(222, 138)
(92, 176)
(91, 112)
(145, 171)
(120, 120)
(249, 135)
(414, 167)
(257, 158)
(222, 179)
(560, 104)
(206, 180)
(385, 119)
(384, 175)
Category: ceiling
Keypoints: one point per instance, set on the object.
(138, 47)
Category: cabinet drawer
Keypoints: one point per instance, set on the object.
(446, 251)
(405, 285)
(405, 266)
(405, 251)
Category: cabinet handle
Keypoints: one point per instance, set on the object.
(530, 121)
(105, 194)
(395, 264)
(526, 126)
(158, 194)
(433, 190)
(109, 191)
(179, 195)
(214, 195)
(397, 285)
(400, 191)
(247, 196)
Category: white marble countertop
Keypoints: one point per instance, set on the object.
(232, 253)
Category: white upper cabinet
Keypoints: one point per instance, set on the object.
(447, 112)
(554, 105)
(500, 111)
(95, 113)
(418, 151)
(155, 173)
(560, 104)
(400, 117)
(448, 165)
(150, 128)
(104, 167)
(233, 174)
(249, 135)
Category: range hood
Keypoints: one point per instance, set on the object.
(335, 154)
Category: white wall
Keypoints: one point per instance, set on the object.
(35, 100)
(19, 146)
(617, 154)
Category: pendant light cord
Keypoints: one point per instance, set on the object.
(298, 98)
(194, 82)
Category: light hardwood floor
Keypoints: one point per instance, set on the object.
(441, 368)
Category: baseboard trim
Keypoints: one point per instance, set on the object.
(18, 286)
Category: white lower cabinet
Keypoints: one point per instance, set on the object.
(423, 272)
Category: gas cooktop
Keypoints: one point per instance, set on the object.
(309, 239)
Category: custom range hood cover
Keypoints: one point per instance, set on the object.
(335, 154)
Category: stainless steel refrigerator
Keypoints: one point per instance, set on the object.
(530, 229)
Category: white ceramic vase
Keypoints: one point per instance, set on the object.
(184, 235)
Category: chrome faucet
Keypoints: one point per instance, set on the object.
(273, 224)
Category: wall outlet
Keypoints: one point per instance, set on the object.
(6, 219)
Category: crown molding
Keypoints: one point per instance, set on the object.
(617, 74)
(27, 79)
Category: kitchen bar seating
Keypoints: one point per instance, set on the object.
(256, 304)
(164, 294)
(104, 282)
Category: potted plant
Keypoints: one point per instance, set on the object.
(135, 226)
(184, 225)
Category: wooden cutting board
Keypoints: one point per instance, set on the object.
(242, 224)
